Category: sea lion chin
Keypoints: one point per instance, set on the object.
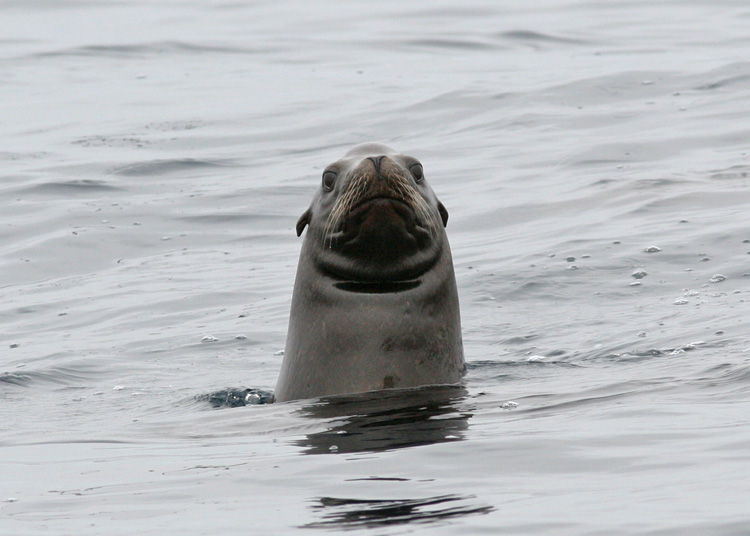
(375, 304)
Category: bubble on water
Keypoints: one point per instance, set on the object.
(279, 352)
(333, 448)
(635, 284)
(652, 249)
(717, 278)
(509, 405)
(209, 338)
(240, 337)
(536, 358)
(681, 301)
(165, 238)
(639, 274)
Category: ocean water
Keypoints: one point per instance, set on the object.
(593, 156)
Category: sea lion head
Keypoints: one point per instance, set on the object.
(374, 218)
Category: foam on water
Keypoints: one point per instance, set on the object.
(593, 157)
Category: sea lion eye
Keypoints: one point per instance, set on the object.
(417, 172)
(329, 178)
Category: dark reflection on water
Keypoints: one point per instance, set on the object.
(385, 420)
(369, 513)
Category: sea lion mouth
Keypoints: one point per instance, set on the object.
(365, 200)
(383, 220)
(407, 222)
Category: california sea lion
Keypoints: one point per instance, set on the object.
(375, 304)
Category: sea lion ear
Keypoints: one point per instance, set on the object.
(443, 213)
(303, 221)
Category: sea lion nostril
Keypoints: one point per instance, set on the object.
(376, 160)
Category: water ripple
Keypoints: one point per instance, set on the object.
(164, 167)
(159, 48)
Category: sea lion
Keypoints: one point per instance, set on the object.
(375, 304)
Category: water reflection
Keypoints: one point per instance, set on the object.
(366, 513)
(385, 420)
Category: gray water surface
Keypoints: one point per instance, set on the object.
(594, 160)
